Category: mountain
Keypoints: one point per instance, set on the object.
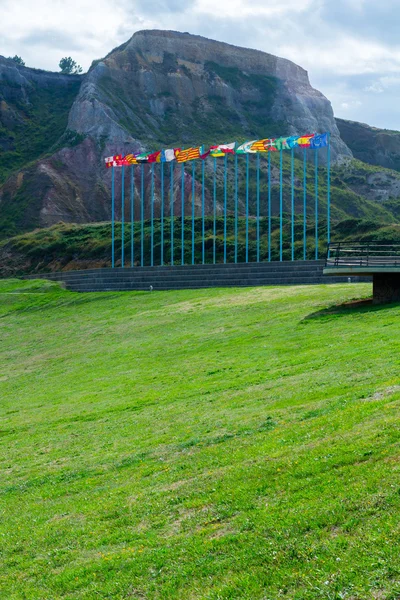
(159, 89)
(370, 144)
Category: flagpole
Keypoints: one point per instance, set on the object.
(193, 199)
(122, 215)
(202, 213)
(162, 214)
(214, 207)
(183, 215)
(112, 218)
(171, 183)
(247, 208)
(269, 206)
(142, 217)
(236, 208)
(225, 201)
(316, 203)
(132, 213)
(258, 208)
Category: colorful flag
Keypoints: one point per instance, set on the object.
(169, 154)
(189, 154)
(319, 141)
(142, 158)
(304, 141)
(270, 145)
(281, 143)
(259, 146)
(222, 149)
(152, 158)
(246, 148)
(130, 159)
(292, 141)
(204, 152)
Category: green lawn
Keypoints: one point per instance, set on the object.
(213, 444)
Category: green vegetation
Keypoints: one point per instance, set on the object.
(30, 129)
(18, 60)
(69, 67)
(73, 246)
(212, 444)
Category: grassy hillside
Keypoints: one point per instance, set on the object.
(32, 122)
(210, 444)
(69, 246)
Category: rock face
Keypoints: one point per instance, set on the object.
(170, 88)
(159, 89)
(371, 145)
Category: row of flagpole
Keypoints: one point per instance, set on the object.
(214, 209)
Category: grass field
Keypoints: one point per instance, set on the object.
(214, 444)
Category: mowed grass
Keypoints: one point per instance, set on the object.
(213, 444)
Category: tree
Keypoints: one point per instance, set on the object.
(69, 66)
(18, 60)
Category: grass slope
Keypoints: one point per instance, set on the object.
(198, 444)
(70, 246)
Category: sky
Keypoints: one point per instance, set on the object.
(350, 48)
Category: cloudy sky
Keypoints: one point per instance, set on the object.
(351, 48)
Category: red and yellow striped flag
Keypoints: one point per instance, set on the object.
(259, 145)
(189, 154)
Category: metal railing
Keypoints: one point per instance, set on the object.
(362, 254)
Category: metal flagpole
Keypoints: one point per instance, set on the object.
(316, 204)
(183, 215)
(152, 218)
(112, 218)
(132, 213)
(202, 212)
(171, 183)
(236, 208)
(269, 206)
(304, 204)
(193, 199)
(142, 218)
(258, 208)
(122, 215)
(292, 207)
(328, 202)
(247, 208)
(280, 206)
(225, 200)
(214, 208)
(162, 214)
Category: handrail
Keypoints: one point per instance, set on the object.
(362, 254)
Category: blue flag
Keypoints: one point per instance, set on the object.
(319, 141)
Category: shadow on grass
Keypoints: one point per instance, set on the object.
(356, 306)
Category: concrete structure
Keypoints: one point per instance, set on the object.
(368, 259)
(194, 276)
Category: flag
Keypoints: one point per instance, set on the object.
(189, 154)
(152, 158)
(319, 141)
(304, 141)
(169, 154)
(222, 149)
(130, 159)
(142, 158)
(281, 143)
(204, 153)
(246, 148)
(114, 161)
(292, 141)
(270, 145)
(259, 146)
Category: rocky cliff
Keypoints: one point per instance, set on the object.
(370, 144)
(159, 89)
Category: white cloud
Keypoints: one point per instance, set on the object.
(336, 46)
